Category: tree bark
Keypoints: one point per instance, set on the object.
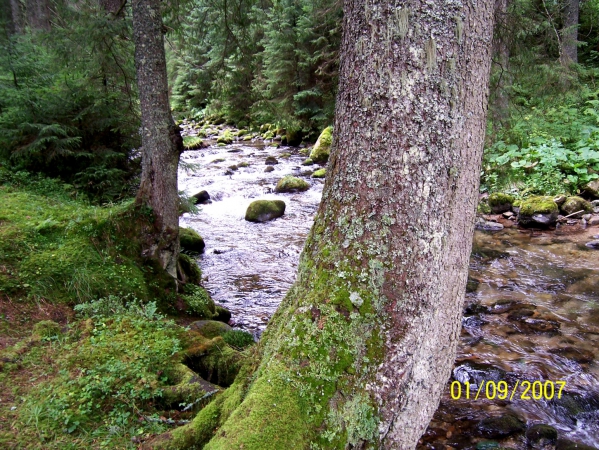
(161, 140)
(569, 53)
(501, 59)
(38, 14)
(360, 350)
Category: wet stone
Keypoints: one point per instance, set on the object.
(593, 244)
(541, 436)
(500, 427)
(476, 373)
(580, 356)
(565, 444)
(502, 306)
(531, 325)
(269, 169)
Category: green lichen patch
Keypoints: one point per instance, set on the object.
(292, 184)
(322, 147)
(264, 210)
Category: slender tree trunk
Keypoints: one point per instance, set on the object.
(17, 19)
(569, 53)
(161, 140)
(38, 14)
(360, 350)
(501, 59)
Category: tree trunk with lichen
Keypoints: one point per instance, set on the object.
(569, 32)
(161, 141)
(359, 352)
(38, 14)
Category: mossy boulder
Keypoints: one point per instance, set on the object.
(592, 188)
(190, 240)
(268, 135)
(294, 137)
(271, 160)
(46, 329)
(222, 314)
(538, 211)
(500, 203)
(226, 138)
(308, 162)
(292, 184)
(574, 204)
(264, 210)
(187, 270)
(202, 197)
(321, 150)
(320, 173)
(541, 436)
(500, 427)
(210, 328)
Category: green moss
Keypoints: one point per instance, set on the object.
(187, 270)
(538, 205)
(226, 138)
(193, 142)
(272, 395)
(320, 173)
(483, 208)
(264, 210)
(190, 240)
(574, 204)
(243, 164)
(238, 339)
(199, 303)
(320, 151)
(308, 162)
(46, 329)
(210, 328)
(291, 184)
(499, 199)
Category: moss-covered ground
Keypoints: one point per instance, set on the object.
(92, 338)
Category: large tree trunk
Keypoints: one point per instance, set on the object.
(569, 50)
(38, 14)
(161, 140)
(360, 351)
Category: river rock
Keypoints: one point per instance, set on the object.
(222, 314)
(531, 325)
(578, 355)
(500, 203)
(210, 328)
(538, 211)
(575, 204)
(541, 436)
(264, 210)
(502, 306)
(202, 197)
(592, 188)
(575, 407)
(271, 161)
(476, 373)
(320, 173)
(320, 151)
(292, 184)
(500, 427)
(565, 444)
(190, 240)
(593, 221)
(593, 244)
(269, 169)
(485, 225)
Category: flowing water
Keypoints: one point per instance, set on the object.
(532, 313)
